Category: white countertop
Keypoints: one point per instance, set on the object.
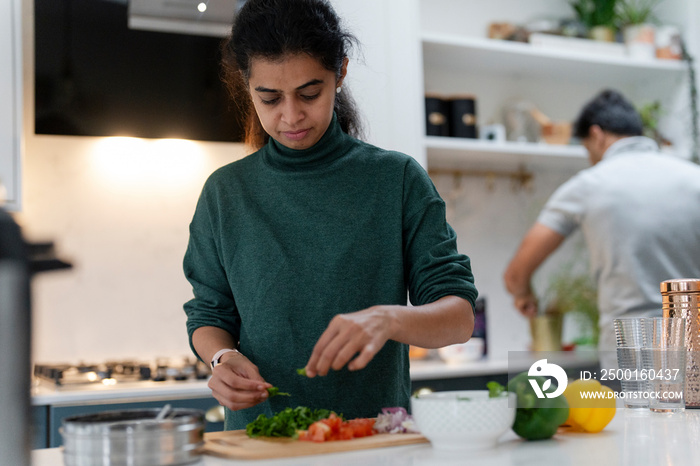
(437, 369)
(633, 438)
(43, 394)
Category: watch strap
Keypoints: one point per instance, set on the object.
(216, 359)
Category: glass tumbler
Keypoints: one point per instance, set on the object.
(664, 363)
(629, 337)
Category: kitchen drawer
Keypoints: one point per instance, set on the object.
(57, 413)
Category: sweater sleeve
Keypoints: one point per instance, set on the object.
(433, 267)
(213, 303)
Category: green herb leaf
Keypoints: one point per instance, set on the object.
(302, 372)
(285, 423)
(495, 389)
(275, 391)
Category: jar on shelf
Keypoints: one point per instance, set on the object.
(668, 43)
(463, 116)
(437, 112)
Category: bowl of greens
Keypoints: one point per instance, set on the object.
(467, 419)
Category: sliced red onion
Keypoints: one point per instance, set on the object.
(395, 420)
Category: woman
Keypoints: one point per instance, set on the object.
(301, 254)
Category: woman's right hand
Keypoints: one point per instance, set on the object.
(236, 382)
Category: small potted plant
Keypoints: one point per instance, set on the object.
(651, 114)
(569, 291)
(636, 20)
(598, 16)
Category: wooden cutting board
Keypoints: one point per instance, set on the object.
(235, 444)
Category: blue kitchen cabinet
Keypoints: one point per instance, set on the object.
(40, 426)
(56, 414)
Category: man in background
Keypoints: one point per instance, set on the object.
(639, 213)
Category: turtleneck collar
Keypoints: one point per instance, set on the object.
(331, 146)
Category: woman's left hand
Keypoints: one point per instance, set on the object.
(363, 332)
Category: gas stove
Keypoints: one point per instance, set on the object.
(120, 372)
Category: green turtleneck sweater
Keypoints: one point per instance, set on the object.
(283, 240)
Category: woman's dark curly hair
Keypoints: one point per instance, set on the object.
(272, 29)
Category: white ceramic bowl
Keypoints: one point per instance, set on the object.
(466, 419)
(471, 350)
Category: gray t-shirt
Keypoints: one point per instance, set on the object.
(639, 212)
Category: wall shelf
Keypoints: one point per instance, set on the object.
(494, 69)
(462, 53)
(452, 153)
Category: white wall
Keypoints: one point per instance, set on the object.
(121, 213)
(10, 103)
(490, 217)
(386, 72)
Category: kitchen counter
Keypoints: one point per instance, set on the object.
(437, 369)
(633, 438)
(43, 394)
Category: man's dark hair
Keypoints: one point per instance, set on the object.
(612, 112)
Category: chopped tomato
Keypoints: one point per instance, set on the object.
(345, 433)
(362, 427)
(333, 421)
(319, 432)
(334, 428)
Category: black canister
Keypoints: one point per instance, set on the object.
(437, 110)
(463, 116)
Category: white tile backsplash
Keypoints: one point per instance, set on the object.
(122, 219)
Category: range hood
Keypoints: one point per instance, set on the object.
(196, 17)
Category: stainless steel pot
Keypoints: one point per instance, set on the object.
(133, 438)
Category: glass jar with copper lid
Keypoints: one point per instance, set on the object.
(681, 298)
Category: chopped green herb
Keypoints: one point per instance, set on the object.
(286, 423)
(495, 389)
(302, 372)
(275, 391)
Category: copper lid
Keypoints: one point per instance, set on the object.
(681, 285)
